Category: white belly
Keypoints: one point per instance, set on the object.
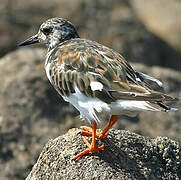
(89, 108)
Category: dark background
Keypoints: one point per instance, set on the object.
(146, 33)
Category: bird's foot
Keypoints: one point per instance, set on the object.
(87, 131)
(92, 148)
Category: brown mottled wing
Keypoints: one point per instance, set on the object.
(80, 62)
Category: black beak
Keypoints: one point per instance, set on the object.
(31, 40)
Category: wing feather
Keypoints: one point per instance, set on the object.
(80, 62)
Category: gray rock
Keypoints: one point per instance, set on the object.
(126, 156)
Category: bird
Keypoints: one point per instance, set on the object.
(95, 79)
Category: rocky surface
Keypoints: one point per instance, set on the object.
(31, 112)
(126, 156)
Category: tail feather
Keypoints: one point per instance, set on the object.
(160, 106)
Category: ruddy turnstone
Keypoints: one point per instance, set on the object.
(94, 79)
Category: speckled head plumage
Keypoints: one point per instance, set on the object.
(52, 32)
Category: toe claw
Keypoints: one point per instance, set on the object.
(89, 151)
(81, 154)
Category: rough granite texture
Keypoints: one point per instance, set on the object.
(126, 156)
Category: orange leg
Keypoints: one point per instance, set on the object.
(92, 148)
(112, 121)
(102, 134)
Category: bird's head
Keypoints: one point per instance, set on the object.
(52, 32)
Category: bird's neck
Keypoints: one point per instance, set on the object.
(56, 42)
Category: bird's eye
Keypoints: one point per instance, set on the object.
(47, 30)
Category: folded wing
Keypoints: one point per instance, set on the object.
(102, 73)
